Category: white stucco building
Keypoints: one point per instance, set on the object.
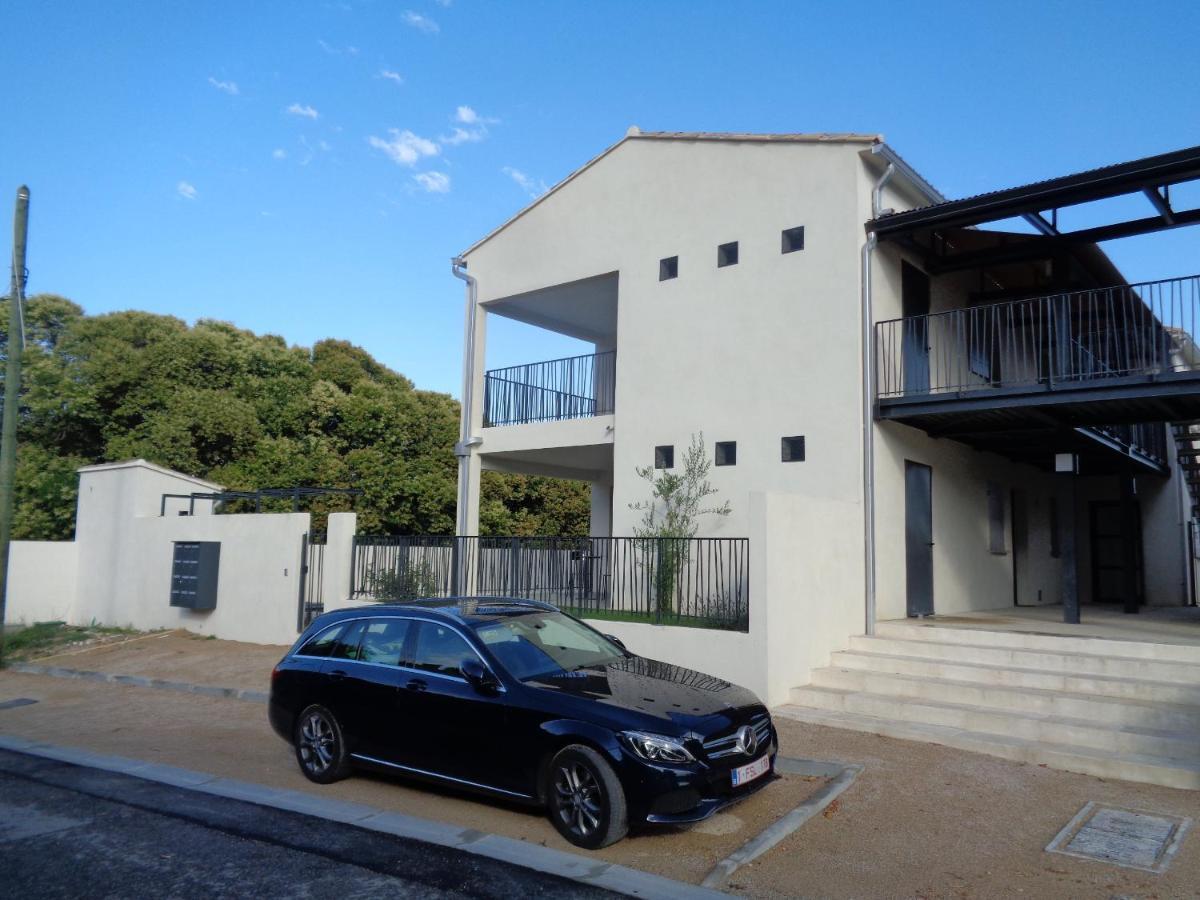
(882, 395)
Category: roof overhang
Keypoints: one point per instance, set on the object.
(1039, 202)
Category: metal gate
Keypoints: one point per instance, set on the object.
(312, 569)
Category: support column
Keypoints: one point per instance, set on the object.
(1129, 548)
(602, 500)
(1067, 465)
(337, 571)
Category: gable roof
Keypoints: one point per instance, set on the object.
(636, 134)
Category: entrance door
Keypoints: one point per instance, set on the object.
(918, 537)
(914, 300)
(1111, 557)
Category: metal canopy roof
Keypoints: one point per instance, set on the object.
(1152, 176)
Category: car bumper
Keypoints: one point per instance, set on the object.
(663, 795)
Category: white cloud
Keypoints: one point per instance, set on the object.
(304, 111)
(229, 87)
(403, 147)
(186, 191)
(391, 76)
(464, 136)
(279, 153)
(433, 182)
(476, 131)
(534, 187)
(349, 50)
(420, 22)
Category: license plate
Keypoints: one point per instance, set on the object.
(750, 771)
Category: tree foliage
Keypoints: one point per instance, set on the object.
(247, 411)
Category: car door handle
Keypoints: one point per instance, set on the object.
(417, 684)
(337, 674)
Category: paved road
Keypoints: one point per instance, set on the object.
(70, 831)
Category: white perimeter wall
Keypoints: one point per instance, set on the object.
(41, 581)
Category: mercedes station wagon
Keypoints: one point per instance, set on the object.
(517, 700)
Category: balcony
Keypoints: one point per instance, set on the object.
(1096, 364)
(577, 387)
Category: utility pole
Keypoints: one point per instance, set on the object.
(12, 391)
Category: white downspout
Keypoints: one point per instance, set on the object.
(868, 404)
(458, 266)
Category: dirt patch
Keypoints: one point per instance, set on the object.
(232, 739)
(180, 656)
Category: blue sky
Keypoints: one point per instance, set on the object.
(308, 169)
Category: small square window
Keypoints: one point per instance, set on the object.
(793, 239)
(793, 449)
(727, 255)
(668, 268)
(664, 457)
(726, 453)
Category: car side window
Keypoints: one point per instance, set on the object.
(321, 644)
(346, 646)
(440, 649)
(383, 641)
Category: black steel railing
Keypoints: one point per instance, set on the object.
(1148, 439)
(1064, 339)
(701, 582)
(573, 388)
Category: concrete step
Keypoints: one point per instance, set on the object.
(1051, 660)
(1058, 643)
(1127, 687)
(1182, 744)
(1115, 711)
(1088, 761)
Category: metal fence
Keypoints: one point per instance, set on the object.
(1069, 338)
(684, 581)
(573, 388)
(1146, 438)
(312, 572)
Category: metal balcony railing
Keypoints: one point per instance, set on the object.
(573, 388)
(1063, 340)
(701, 582)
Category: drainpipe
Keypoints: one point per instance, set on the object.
(868, 404)
(458, 266)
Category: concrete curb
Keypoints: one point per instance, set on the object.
(185, 687)
(781, 828)
(575, 867)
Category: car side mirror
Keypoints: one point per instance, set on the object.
(478, 676)
(616, 640)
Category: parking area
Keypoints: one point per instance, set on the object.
(920, 821)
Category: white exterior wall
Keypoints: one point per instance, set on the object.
(706, 351)
(41, 581)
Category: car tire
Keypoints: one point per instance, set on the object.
(585, 798)
(321, 746)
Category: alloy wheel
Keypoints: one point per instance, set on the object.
(317, 743)
(578, 801)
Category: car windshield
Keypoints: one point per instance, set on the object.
(535, 644)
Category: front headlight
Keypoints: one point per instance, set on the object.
(657, 747)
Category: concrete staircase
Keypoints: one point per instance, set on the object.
(1112, 708)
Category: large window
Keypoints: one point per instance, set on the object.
(440, 649)
(383, 641)
(322, 644)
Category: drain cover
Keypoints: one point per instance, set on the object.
(12, 704)
(1132, 838)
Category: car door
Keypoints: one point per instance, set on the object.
(378, 682)
(340, 675)
(455, 730)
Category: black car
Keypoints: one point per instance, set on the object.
(515, 699)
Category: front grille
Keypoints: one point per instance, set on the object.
(721, 747)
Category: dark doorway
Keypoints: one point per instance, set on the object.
(914, 302)
(1112, 555)
(918, 538)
